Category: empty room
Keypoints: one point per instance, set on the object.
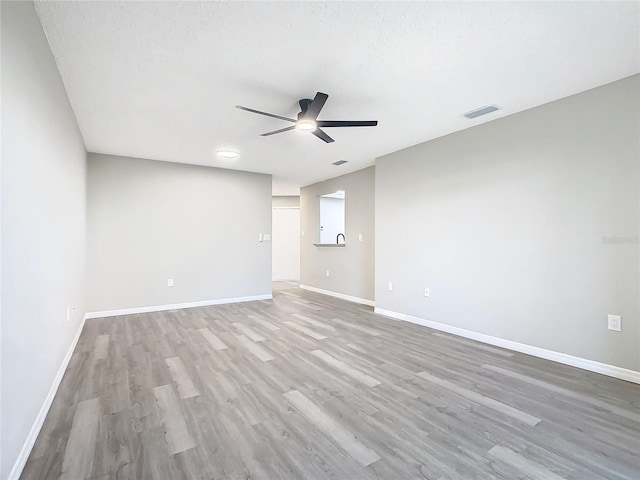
(320, 240)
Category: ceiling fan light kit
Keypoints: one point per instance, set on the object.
(307, 119)
(306, 125)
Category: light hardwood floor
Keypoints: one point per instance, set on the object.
(311, 387)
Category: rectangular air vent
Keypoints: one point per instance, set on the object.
(481, 111)
(339, 162)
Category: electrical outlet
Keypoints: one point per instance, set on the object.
(390, 286)
(302, 233)
(169, 282)
(359, 237)
(427, 292)
(327, 273)
(615, 322)
(266, 237)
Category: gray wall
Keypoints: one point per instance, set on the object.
(43, 224)
(352, 267)
(149, 221)
(507, 223)
(282, 201)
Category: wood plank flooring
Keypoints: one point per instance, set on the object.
(312, 387)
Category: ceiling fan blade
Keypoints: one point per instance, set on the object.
(322, 136)
(315, 106)
(347, 123)
(265, 113)
(278, 131)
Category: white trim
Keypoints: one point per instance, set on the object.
(176, 306)
(349, 298)
(20, 462)
(583, 363)
(286, 208)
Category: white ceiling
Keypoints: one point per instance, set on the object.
(160, 80)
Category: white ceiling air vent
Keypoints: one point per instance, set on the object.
(481, 111)
(339, 162)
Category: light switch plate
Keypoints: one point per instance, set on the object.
(169, 282)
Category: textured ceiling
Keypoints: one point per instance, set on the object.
(160, 80)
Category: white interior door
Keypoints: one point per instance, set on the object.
(285, 238)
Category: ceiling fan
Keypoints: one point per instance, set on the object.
(308, 118)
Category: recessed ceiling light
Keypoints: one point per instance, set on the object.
(228, 154)
(306, 125)
(481, 111)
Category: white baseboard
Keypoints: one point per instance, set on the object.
(349, 298)
(583, 363)
(20, 462)
(176, 306)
